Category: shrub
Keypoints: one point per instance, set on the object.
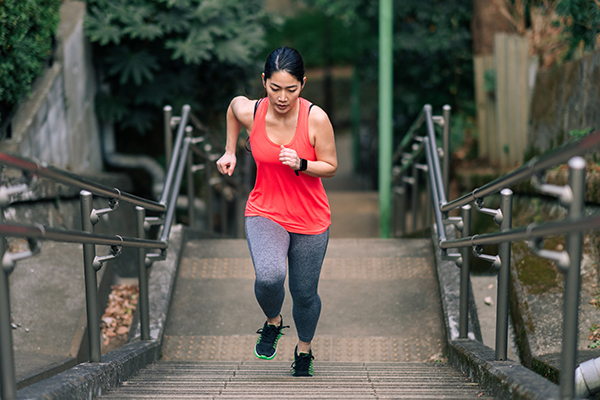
(156, 52)
(26, 36)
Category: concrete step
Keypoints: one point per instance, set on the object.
(272, 380)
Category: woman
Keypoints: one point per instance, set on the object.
(287, 214)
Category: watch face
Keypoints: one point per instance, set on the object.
(303, 164)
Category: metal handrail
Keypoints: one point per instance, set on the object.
(73, 236)
(70, 179)
(180, 158)
(571, 196)
(532, 168)
(526, 233)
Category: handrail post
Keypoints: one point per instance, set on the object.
(428, 205)
(465, 276)
(7, 356)
(143, 301)
(400, 211)
(190, 182)
(91, 281)
(503, 277)
(168, 114)
(209, 197)
(446, 144)
(572, 282)
(415, 196)
(404, 189)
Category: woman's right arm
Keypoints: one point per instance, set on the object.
(239, 113)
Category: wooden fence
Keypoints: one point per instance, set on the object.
(503, 88)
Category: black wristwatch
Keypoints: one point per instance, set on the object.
(303, 166)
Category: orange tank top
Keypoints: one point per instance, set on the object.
(298, 203)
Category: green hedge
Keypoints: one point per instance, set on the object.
(26, 31)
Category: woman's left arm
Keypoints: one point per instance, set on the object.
(323, 140)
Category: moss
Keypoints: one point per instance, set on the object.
(545, 370)
(537, 274)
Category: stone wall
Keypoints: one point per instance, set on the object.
(565, 98)
(57, 124)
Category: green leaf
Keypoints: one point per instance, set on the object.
(195, 49)
(173, 21)
(100, 29)
(144, 31)
(132, 65)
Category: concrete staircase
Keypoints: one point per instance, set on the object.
(271, 380)
(380, 335)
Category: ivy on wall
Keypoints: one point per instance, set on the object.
(26, 38)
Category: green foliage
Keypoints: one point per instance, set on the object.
(583, 23)
(321, 39)
(432, 51)
(26, 30)
(579, 133)
(157, 52)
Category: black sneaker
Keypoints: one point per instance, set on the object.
(303, 363)
(266, 345)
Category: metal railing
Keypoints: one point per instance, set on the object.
(423, 156)
(181, 160)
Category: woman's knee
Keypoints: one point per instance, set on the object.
(305, 299)
(270, 282)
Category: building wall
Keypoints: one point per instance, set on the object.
(57, 124)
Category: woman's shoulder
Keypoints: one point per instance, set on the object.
(317, 115)
(243, 108)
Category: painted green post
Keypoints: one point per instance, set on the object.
(386, 84)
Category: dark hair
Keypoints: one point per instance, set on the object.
(285, 59)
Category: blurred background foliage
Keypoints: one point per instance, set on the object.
(432, 50)
(203, 52)
(151, 53)
(26, 40)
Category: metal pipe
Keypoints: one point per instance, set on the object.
(181, 167)
(428, 206)
(503, 277)
(435, 160)
(399, 212)
(534, 166)
(144, 302)
(441, 230)
(70, 179)
(525, 233)
(386, 117)
(7, 357)
(209, 197)
(587, 379)
(131, 161)
(572, 282)
(409, 136)
(190, 181)
(72, 236)
(168, 188)
(446, 144)
(415, 196)
(168, 114)
(403, 203)
(91, 281)
(465, 276)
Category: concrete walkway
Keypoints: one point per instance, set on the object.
(380, 303)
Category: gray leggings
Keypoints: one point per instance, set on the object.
(270, 244)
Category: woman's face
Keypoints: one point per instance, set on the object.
(283, 90)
